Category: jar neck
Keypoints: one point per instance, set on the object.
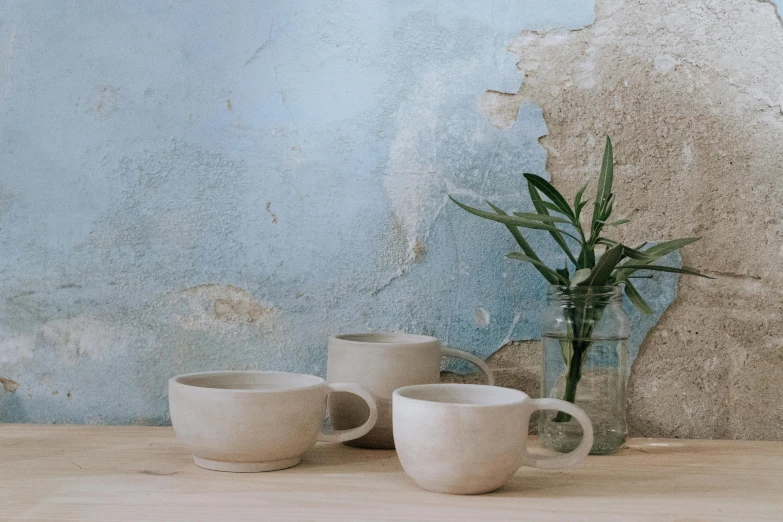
(584, 295)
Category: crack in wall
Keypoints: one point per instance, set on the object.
(263, 45)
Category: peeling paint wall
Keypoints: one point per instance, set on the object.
(186, 187)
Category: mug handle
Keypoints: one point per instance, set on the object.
(353, 433)
(459, 354)
(569, 459)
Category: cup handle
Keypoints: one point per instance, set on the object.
(459, 354)
(353, 433)
(569, 459)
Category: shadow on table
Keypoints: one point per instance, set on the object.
(651, 466)
(357, 459)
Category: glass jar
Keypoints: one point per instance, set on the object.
(584, 336)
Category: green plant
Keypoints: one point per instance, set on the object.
(618, 265)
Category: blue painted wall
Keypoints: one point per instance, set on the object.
(210, 185)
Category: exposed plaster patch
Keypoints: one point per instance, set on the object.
(481, 317)
(692, 82)
(82, 336)
(497, 110)
(222, 306)
(690, 92)
(9, 385)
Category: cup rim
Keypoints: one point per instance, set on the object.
(318, 381)
(384, 338)
(514, 396)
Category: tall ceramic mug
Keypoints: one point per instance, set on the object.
(381, 363)
(467, 439)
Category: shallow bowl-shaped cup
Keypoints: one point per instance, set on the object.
(467, 438)
(249, 421)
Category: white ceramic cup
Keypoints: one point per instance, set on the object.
(467, 439)
(383, 362)
(248, 421)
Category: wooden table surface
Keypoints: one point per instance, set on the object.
(141, 473)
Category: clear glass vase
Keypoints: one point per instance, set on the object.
(584, 335)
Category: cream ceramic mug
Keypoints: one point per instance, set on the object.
(466, 439)
(383, 362)
(250, 421)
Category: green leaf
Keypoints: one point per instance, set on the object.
(667, 247)
(617, 223)
(585, 201)
(538, 203)
(605, 213)
(510, 220)
(604, 181)
(608, 206)
(660, 268)
(578, 197)
(525, 246)
(551, 192)
(546, 218)
(563, 271)
(636, 298)
(608, 213)
(604, 266)
(653, 253)
(537, 263)
(637, 255)
(578, 203)
(586, 258)
(551, 206)
(580, 276)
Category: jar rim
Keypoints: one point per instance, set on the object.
(585, 292)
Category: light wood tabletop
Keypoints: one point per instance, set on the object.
(142, 473)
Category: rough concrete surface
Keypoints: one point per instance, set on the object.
(691, 93)
(205, 186)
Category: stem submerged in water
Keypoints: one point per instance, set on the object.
(573, 375)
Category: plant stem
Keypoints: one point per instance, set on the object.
(573, 375)
(582, 320)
